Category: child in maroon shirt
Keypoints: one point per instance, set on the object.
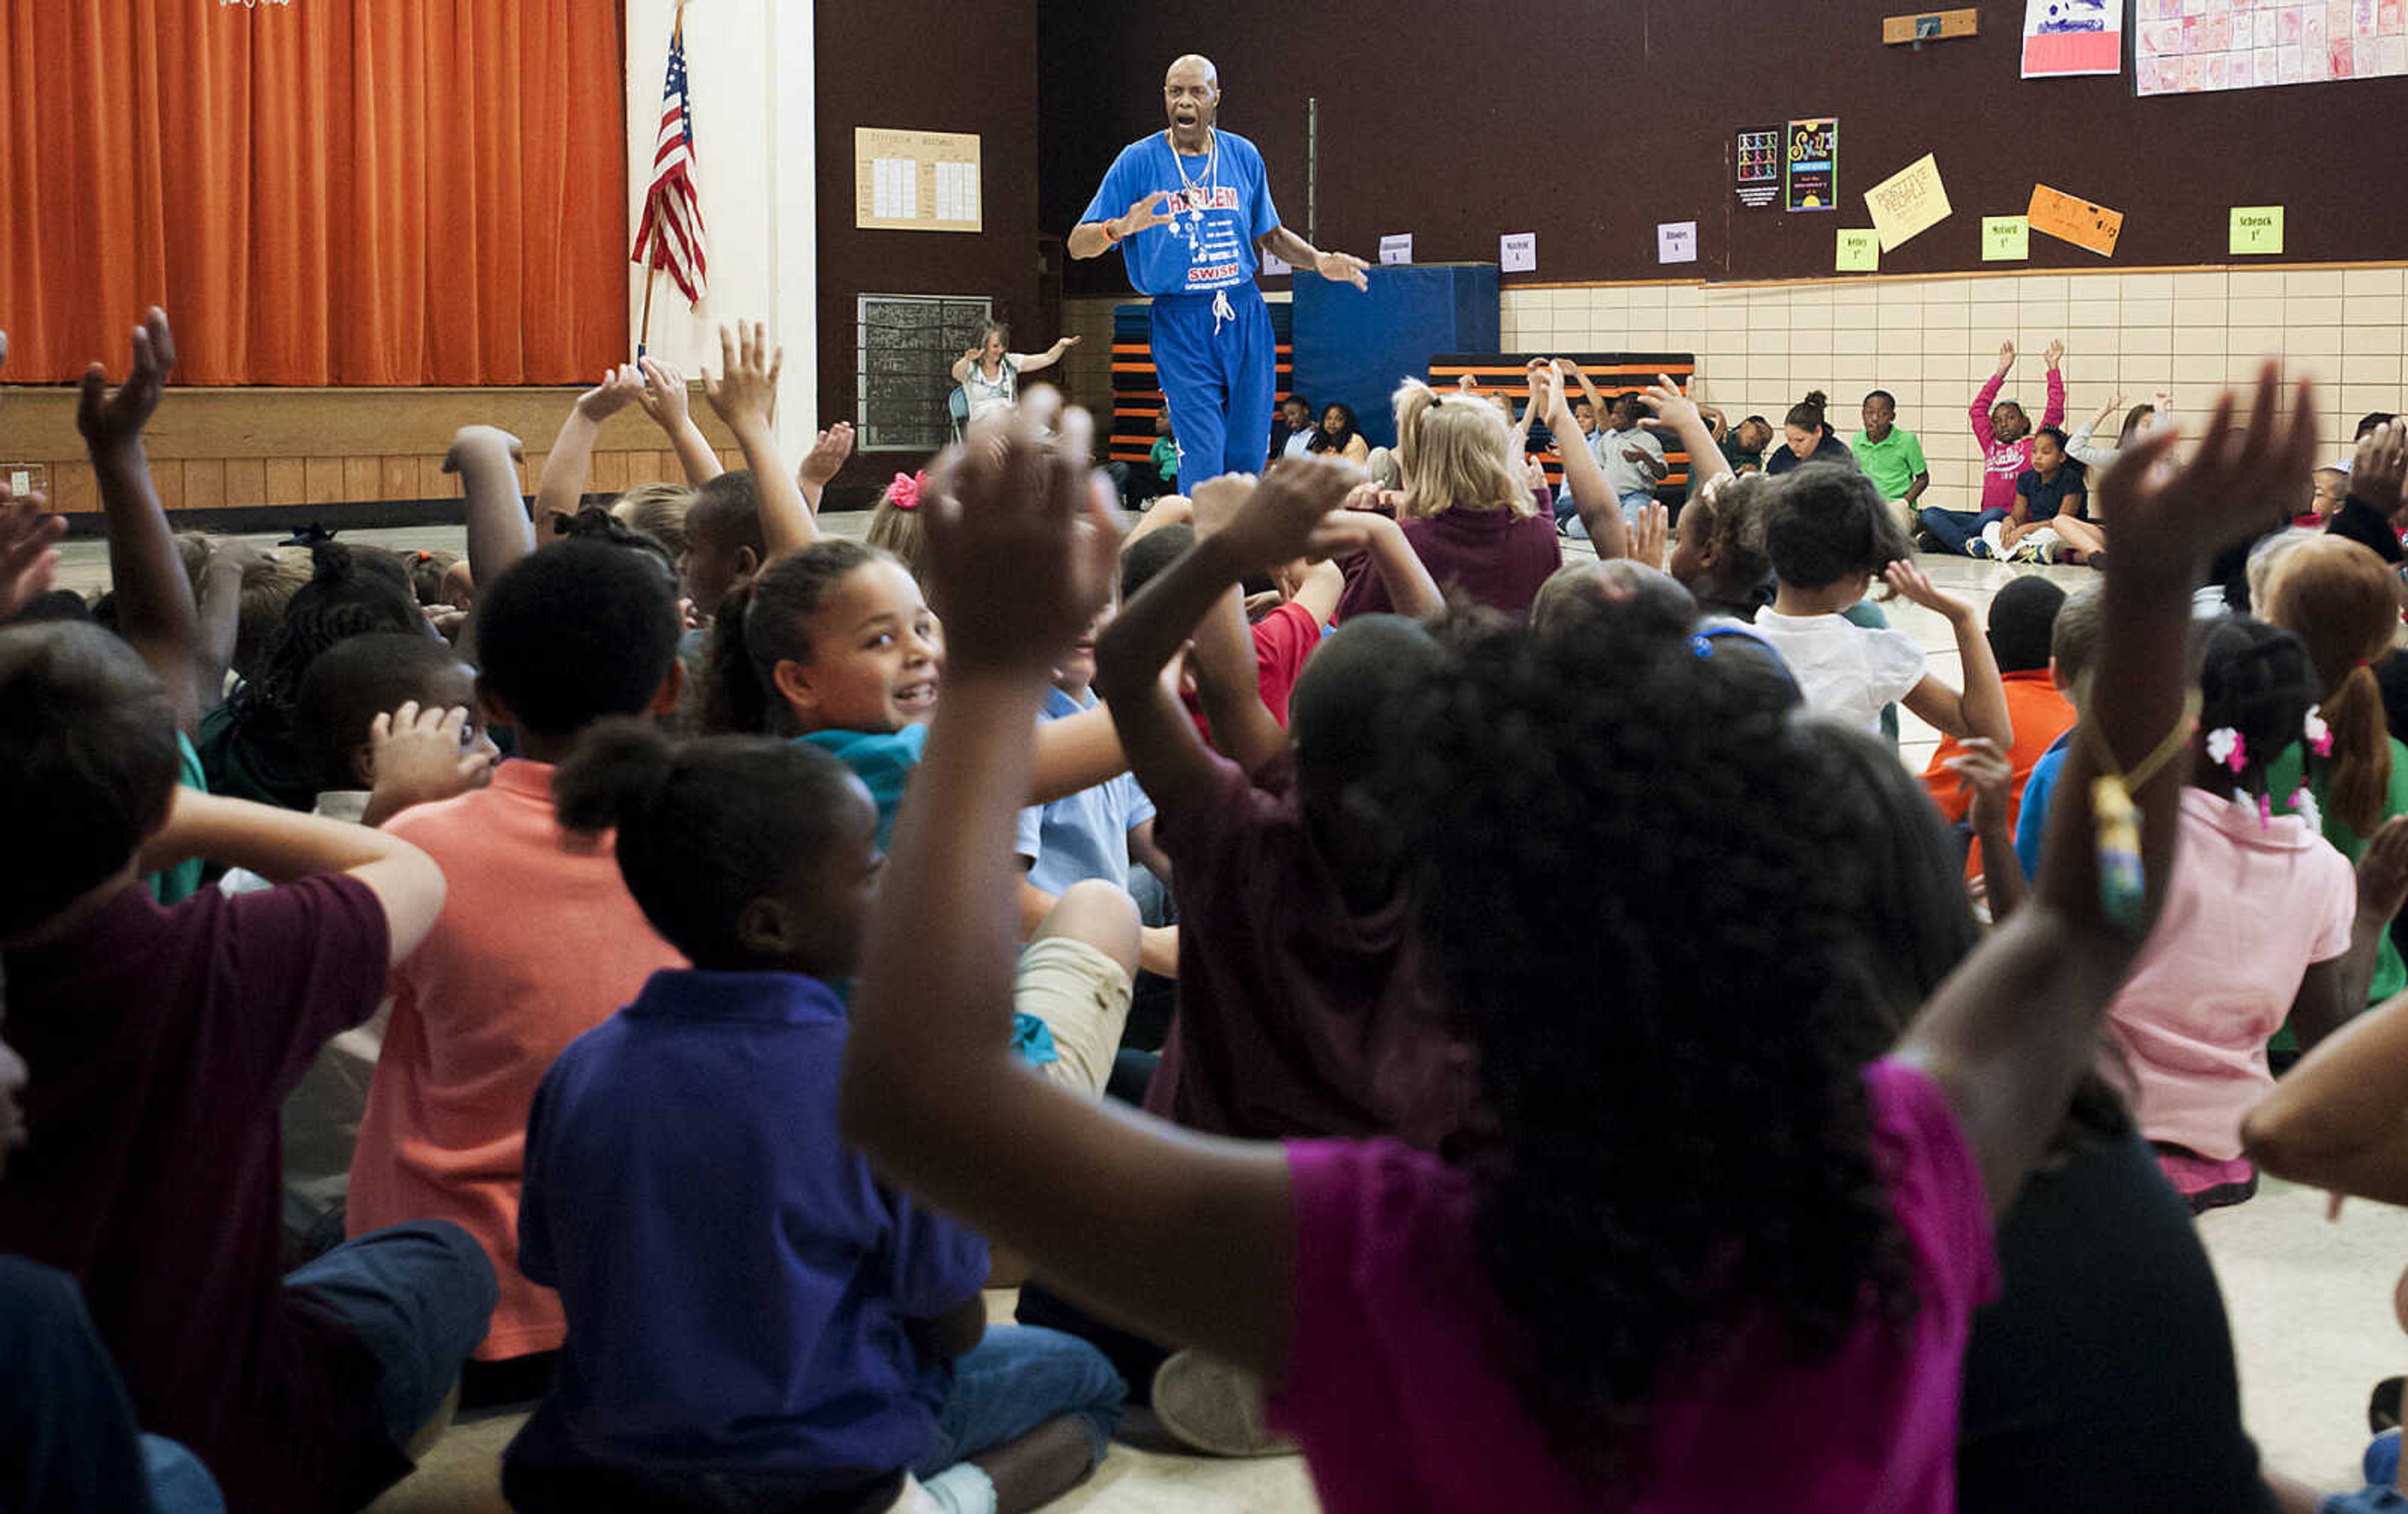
(162, 1042)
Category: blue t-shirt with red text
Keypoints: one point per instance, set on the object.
(1223, 203)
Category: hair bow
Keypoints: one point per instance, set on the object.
(904, 492)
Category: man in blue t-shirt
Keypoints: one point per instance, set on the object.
(1191, 212)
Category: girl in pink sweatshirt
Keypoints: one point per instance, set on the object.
(2005, 432)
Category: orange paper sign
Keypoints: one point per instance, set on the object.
(2059, 214)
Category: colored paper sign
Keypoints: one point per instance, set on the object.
(2058, 214)
(1518, 253)
(1812, 163)
(1859, 252)
(1676, 241)
(2072, 36)
(2005, 239)
(1397, 249)
(1908, 203)
(2257, 230)
(1758, 160)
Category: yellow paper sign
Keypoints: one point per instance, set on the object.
(1859, 252)
(2257, 230)
(2005, 239)
(1908, 202)
(2058, 214)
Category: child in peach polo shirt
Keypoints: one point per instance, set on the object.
(538, 943)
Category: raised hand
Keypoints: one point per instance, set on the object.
(1534, 473)
(620, 387)
(475, 444)
(1142, 216)
(2169, 517)
(2006, 356)
(827, 456)
(424, 756)
(1672, 410)
(2377, 473)
(1634, 454)
(1651, 532)
(1279, 520)
(2053, 354)
(1344, 268)
(1065, 344)
(1216, 501)
(664, 396)
(1987, 774)
(1914, 585)
(746, 390)
(1020, 550)
(29, 558)
(110, 421)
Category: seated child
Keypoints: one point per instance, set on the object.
(249, 746)
(659, 511)
(392, 721)
(1828, 534)
(2023, 620)
(2263, 922)
(2073, 648)
(895, 526)
(1891, 457)
(2328, 487)
(162, 1044)
(1718, 547)
(538, 941)
(2050, 520)
(835, 645)
(2004, 431)
(1435, 1328)
(2340, 601)
(824, 1372)
(724, 543)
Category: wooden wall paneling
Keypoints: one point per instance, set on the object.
(245, 483)
(609, 474)
(363, 478)
(205, 484)
(167, 481)
(322, 480)
(397, 478)
(74, 486)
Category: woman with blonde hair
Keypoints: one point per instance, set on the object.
(2346, 775)
(1465, 508)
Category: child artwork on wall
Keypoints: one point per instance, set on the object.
(2072, 36)
(2191, 46)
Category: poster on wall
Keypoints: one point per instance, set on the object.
(1908, 203)
(1757, 168)
(2072, 36)
(1812, 163)
(2194, 47)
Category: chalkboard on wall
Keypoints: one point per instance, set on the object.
(909, 344)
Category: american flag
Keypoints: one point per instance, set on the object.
(672, 235)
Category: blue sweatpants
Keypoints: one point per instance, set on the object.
(1218, 376)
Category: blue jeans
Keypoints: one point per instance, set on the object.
(1019, 1378)
(1567, 515)
(1953, 529)
(419, 1297)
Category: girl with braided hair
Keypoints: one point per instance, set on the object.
(1701, 1223)
(2264, 921)
(248, 746)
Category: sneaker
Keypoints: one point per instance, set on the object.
(1214, 1408)
(2044, 552)
(1977, 548)
(1925, 542)
(2383, 1406)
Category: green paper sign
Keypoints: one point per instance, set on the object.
(2257, 230)
(1859, 252)
(2005, 239)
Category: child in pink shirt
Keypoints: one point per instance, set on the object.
(2004, 429)
(539, 941)
(2265, 921)
(1699, 1224)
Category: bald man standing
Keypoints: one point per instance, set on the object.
(1191, 212)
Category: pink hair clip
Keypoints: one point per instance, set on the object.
(2319, 734)
(904, 492)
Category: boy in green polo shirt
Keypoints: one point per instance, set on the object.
(1892, 458)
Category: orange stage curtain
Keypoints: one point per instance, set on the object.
(330, 192)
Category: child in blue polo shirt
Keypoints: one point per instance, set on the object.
(754, 1321)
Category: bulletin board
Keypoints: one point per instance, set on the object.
(907, 180)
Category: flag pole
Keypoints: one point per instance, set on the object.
(644, 335)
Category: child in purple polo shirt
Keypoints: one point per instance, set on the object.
(755, 1319)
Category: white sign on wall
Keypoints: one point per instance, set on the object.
(1397, 249)
(1518, 253)
(1676, 241)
